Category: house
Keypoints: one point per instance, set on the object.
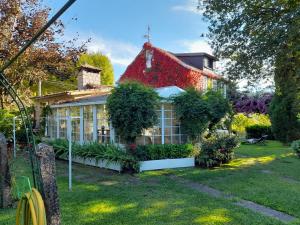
(167, 72)
(159, 68)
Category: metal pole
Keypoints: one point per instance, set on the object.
(14, 136)
(69, 129)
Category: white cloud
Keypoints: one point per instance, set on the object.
(196, 46)
(189, 6)
(120, 53)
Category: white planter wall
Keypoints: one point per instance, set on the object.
(100, 163)
(166, 164)
(144, 165)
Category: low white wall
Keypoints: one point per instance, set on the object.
(166, 164)
(100, 163)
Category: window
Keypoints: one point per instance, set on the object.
(204, 83)
(215, 85)
(88, 123)
(62, 122)
(171, 126)
(103, 129)
(75, 120)
(52, 124)
(149, 55)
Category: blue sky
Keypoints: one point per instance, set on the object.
(116, 27)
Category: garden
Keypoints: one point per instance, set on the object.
(267, 175)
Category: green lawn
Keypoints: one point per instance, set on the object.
(268, 175)
(103, 197)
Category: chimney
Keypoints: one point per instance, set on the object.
(88, 76)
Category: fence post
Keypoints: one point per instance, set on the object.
(46, 158)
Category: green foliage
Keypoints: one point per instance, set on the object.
(296, 147)
(262, 38)
(101, 61)
(132, 108)
(218, 106)
(241, 121)
(217, 150)
(252, 36)
(257, 131)
(165, 151)
(108, 152)
(197, 111)
(6, 123)
(193, 111)
(285, 109)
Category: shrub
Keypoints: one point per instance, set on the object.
(284, 115)
(296, 147)
(165, 151)
(257, 131)
(241, 121)
(132, 108)
(108, 152)
(193, 112)
(217, 150)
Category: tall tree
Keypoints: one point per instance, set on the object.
(261, 37)
(101, 61)
(19, 21)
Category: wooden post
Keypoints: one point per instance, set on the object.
(46, 158)
(5, 178)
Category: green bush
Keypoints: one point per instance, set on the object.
(132, 108)
(165, 151)
(296, 147)
(108, 152)
(198, 112)
(257, 131)
(241, 121)
(217, 150)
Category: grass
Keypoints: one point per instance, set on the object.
(268, 175)
(104, 197)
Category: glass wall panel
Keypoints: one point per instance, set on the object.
(103, 129)
(62, 122)
(172, 126)
(88, 123)
(52, 124)
(75, 119)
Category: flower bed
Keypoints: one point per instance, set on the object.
(149, 157)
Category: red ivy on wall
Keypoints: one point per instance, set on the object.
(166, 70)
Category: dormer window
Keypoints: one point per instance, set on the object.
(149, 55)
(208, 63)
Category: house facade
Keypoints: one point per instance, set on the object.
(84, 113)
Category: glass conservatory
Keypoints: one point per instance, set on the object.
(88, 120)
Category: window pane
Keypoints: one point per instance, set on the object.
(88, 123)
(103, 129)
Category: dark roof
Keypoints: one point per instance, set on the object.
(195, 54)
(90, 68)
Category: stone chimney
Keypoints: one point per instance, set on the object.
(88, 76)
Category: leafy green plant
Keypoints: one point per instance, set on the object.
(165, 151)
(198, 112)
(193, 112)
(108, 152)
(132, 108)
(218, 106)
(257, 131)
(217, 150)
(241, 121)
(296, 147)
